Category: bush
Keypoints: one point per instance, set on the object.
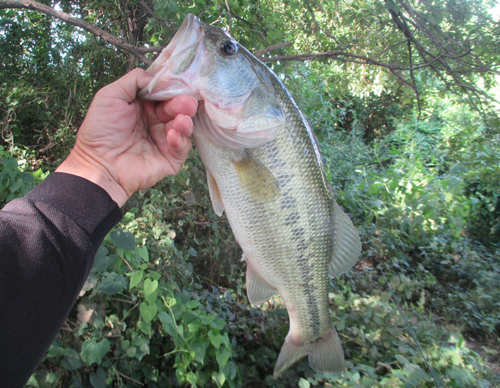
(15, 181)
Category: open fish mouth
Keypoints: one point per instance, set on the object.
(178, 64)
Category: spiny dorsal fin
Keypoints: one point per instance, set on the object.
(346, 243)
(255, 178)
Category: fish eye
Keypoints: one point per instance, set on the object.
(228, 48)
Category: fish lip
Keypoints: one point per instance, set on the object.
(189, 34)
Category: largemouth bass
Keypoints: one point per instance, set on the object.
(264, 169)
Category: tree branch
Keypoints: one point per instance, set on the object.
(276, 46)
(345, 56)
(229, 19)
(35, 6)
(151, 13)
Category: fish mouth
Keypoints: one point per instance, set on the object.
(178, 64)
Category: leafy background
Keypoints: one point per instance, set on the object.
(416, 169)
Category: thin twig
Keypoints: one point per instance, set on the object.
(126, 262)
(230, 21)
(130, 379)
(123, 300)
(273, 47)
(415, 86)
(387, 366)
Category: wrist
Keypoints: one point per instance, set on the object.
(80, 164)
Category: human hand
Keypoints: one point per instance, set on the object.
(126, 144)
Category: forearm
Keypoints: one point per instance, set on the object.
(48, 241)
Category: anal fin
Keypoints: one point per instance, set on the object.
(258, 290)
(214, 192)
(346, 243)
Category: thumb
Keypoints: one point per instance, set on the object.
(127, 87)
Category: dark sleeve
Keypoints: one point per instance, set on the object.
(48, 241)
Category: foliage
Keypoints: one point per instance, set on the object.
(15, 178)
(48, 76)
(182, 317)
(165, 304)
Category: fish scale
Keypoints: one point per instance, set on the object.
(264, 169)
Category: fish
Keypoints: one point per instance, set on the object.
(265, 170)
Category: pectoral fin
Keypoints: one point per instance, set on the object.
(258, 290)
(346, 243)
(214, 192)
(255, 178)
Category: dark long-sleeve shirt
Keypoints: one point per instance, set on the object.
(48, 241)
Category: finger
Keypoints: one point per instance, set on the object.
(149, 114)
(178, 148)
(183, 126)
(127, 87)
(184, 105)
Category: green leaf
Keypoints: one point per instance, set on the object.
(151, 298)
(166, 318)
(71, 359)
(122, 239)
(150, 373)
(303, 383)
(222, 357)
(395, 281)
(225, 339)
(93, 351)
(200, 349)
(143, 252)
(144, 327)
(131, 351)
(218, 324)
(191, 378)
(192, 252)
(142, 345)
(219, 378)
(148, 311)
(112, 284)
(168, 324)
(150, 286)
(192, 304)
(32, 382)
(215, 339)
(51, 377)
(135, 279)
(189, 316)
(101, 261)
(98, 379)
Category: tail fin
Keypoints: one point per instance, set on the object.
(325, 354)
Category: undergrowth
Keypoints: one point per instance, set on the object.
(165, 304)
